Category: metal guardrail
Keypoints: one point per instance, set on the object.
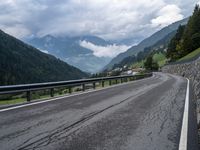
(28, 88)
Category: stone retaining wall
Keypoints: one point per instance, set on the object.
(190, 70)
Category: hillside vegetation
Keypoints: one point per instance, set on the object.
(190, 56)
(160, 58)
(148, 42)
(187, 38)
(21, 63)
(157, 51)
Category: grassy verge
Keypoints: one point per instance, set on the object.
(190, 55)
(13, 101)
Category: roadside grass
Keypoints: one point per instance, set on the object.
(13, 101)
(190, 55)
(21, 99)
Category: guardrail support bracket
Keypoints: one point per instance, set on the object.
(94, 85)
(110, 82)
(52, 92)
(28, 96)
(70, 90)
(102, 83)
(83, 87)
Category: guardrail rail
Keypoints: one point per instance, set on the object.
(28, 88)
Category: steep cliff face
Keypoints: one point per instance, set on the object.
(191, 70)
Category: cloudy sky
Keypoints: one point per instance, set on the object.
(109, 19)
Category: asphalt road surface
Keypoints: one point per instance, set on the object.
(139, 115)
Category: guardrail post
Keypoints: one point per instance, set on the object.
(70, 90)
(110, 82)
(83, 87)
(52, 92)
(28, 96)
(116, 81)
(94, 85)
(102, 83)
(121, 80)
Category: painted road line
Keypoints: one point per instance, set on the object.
(184, 129)
(67, 96)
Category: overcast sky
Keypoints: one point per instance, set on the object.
(109, 19)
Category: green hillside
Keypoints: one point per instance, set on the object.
(186, 40)
(158, 49)
(160, 58)
(191, 55)
(21, 63)
(148, 42)
(139, 64)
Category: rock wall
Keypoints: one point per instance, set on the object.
(191, 70)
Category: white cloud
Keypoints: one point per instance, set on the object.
(104, 51)
(110, 19)
(17, 30)
(167, 15)
(43, 50)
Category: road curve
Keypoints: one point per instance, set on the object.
(139, 115)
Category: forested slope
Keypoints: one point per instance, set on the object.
(21, 63)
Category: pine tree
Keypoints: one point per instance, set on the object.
(191, 35)
(187, 39)
(174, 50)
(150, 64)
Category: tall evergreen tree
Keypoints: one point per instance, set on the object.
(191, 37)
(174, 50)
(187, 39)
(150, 64)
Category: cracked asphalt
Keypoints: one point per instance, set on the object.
(139, 115)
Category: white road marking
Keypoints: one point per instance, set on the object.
(184, 129)
(59, 98)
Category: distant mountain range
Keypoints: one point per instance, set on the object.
(70, 50)
(150, 41)
(21, 63)
(159, 46)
